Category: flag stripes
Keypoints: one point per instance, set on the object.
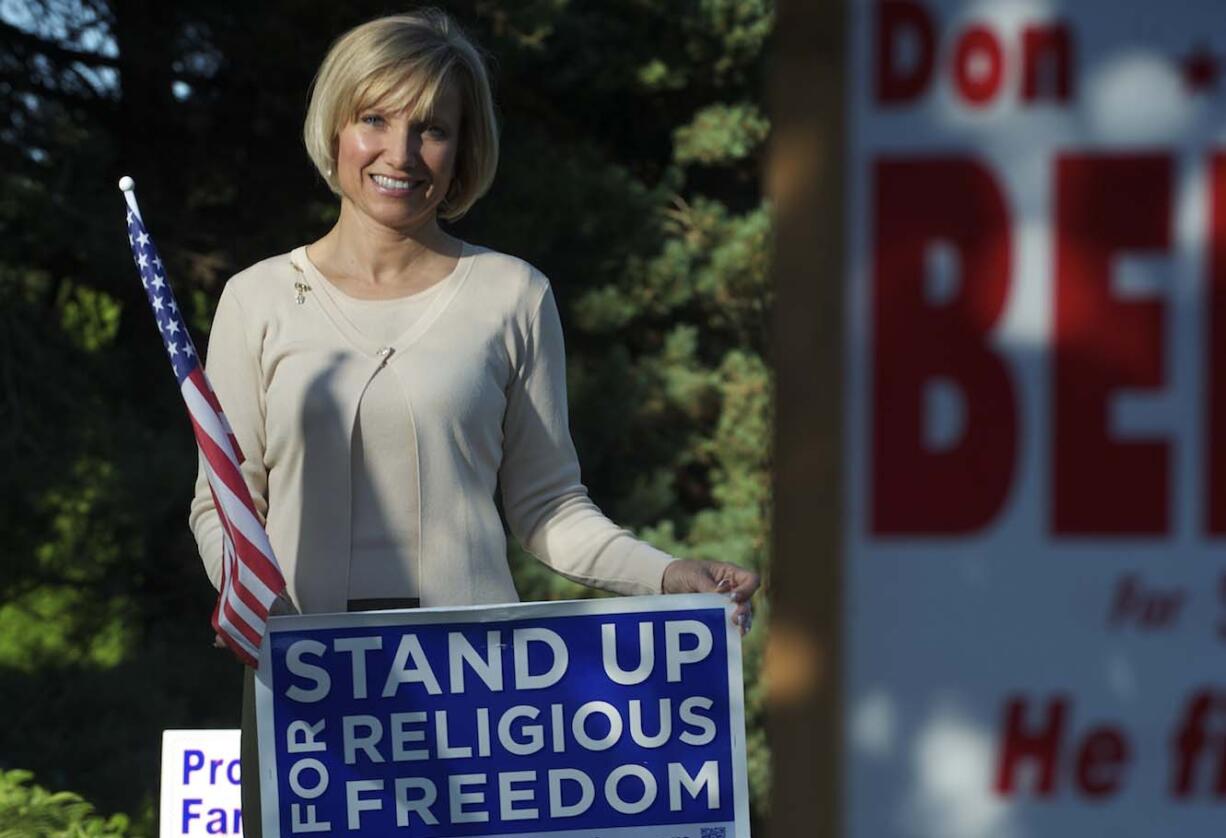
(251, 580)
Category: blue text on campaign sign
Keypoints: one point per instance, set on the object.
(521, 726)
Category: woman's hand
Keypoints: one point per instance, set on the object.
(281, 607)
(693, 576)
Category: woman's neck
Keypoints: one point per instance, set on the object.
(359, 250)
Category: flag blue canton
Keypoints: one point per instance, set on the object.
(251, 580)
(166, 313)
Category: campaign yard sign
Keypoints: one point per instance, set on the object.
(1036, 419)
(200, 792)
(609, 718)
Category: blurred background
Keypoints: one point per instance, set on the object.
(1031, 324)
(631, 175)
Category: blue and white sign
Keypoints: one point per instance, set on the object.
(200, 783)
(604, 718)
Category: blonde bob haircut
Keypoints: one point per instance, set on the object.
(404, 62)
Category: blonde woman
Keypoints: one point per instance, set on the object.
(388, 380)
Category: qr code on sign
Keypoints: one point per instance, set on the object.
(713, 832)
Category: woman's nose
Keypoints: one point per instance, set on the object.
(405, 147)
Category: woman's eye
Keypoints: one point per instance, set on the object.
(436, 131)
(373, 119)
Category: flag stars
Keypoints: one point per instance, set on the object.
(167, 318)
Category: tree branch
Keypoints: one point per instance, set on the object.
(99, 106)
(33, 43)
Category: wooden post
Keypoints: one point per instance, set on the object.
(806, 185)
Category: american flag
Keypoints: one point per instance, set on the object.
(250, 577)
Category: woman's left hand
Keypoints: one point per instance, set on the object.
(694, 576)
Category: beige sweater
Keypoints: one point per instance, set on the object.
(483, 371)
(383, 502)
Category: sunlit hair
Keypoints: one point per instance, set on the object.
(404, 62)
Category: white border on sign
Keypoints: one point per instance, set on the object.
(269, 790)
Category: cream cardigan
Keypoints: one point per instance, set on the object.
(484, 373)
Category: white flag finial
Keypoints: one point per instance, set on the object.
(128, 186)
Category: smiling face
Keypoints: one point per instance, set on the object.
(395, 166)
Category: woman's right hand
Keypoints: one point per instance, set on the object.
(282, 606)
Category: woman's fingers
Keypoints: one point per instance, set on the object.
(695, 576)
(739, 584)
(742, 618)
(742, 583)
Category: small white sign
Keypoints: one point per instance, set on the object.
(200, 783)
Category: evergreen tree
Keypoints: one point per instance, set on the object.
(660, 255)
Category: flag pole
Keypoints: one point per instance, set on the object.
(251, 579)
(128, 187)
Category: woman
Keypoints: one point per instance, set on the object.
(386, 381)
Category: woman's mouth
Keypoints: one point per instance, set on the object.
(395, 186)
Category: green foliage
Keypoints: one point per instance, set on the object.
(632, 142)
(59, 624)
(720, 134)
(669, 336)
(89, 317)
(30, 811)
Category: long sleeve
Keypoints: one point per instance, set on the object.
(233, 368)
(546, 504)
